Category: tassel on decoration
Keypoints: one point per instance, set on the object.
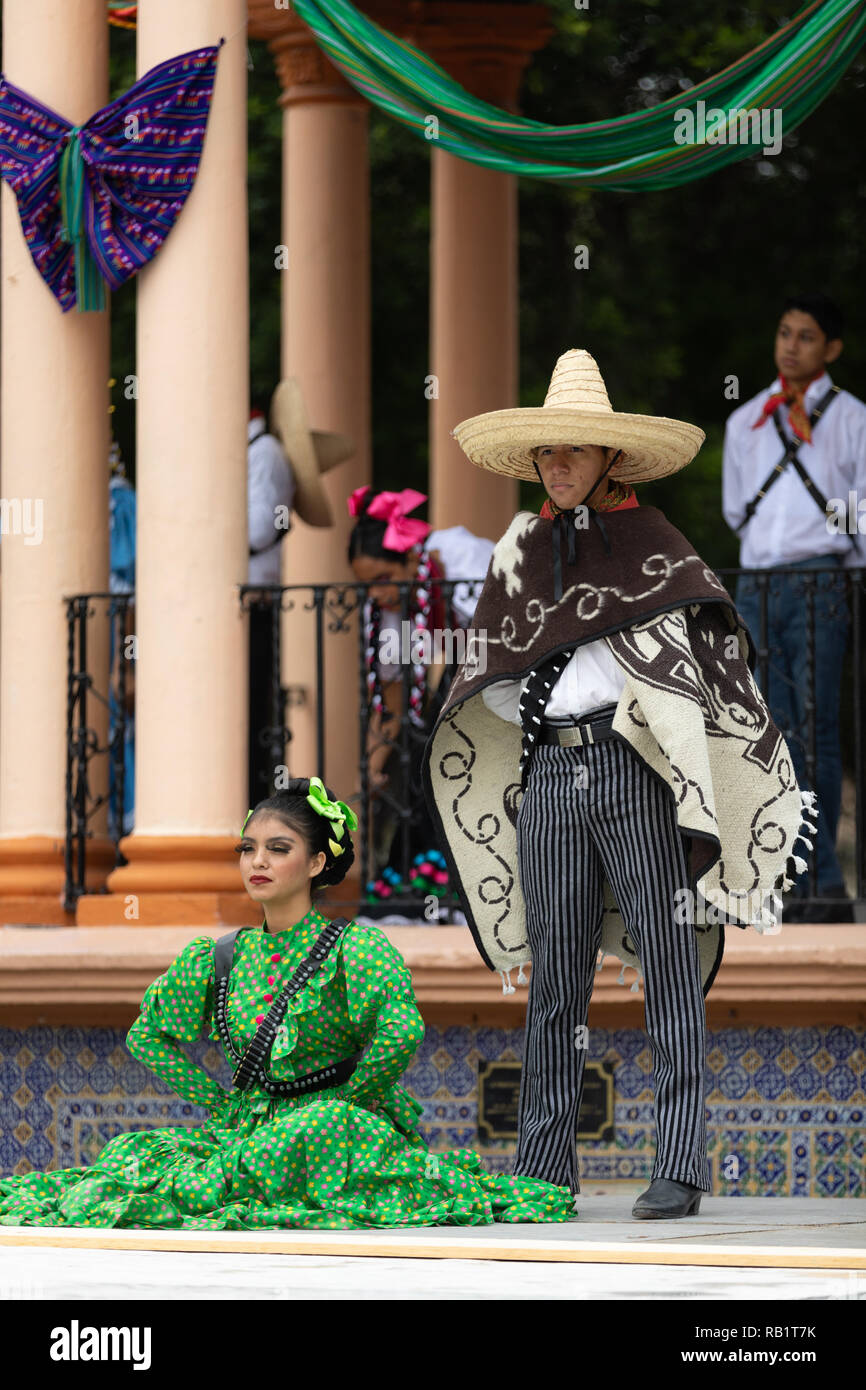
(521, 978)
(800, 864)
(89, 284)
(766, 922)
(636, 986)
(600, 962)
(507, 986)
(621, 977)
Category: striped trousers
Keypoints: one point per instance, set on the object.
(586, 810)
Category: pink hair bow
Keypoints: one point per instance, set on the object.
(402, 532)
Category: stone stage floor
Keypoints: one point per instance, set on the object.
(737, 1248)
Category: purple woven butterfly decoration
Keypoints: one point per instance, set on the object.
(139, 160)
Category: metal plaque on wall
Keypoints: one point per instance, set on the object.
(499, 1090)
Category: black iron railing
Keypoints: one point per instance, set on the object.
(391, 829)
(839, 588)
(82, 739)
(337, 609)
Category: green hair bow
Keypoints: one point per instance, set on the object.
(336, 811)
(244, 826)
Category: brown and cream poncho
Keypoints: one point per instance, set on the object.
(689, 709)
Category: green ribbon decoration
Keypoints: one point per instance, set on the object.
(336, 811)
(792, 70)
(89, 284)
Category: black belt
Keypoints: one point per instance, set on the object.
(319, 1080)
(594, 729)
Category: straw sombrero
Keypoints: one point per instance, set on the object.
(310, 452)
(577, 410)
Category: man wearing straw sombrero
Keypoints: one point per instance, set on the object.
(608, 779)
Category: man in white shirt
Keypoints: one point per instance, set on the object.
(618, 654)
(270, 494)
(779, 514)
(285, 469)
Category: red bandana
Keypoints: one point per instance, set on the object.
(793, 397)
(618, 497)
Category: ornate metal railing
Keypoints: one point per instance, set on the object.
(82, 739)
(846, 588)
(335, 610)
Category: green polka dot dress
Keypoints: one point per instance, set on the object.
(345, 1157)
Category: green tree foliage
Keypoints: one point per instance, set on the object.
(684, 286)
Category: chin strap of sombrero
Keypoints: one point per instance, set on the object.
(567, 518)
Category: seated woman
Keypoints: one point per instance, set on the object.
(317, 1130)
(387, 548)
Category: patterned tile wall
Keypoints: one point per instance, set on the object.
(786, 1106)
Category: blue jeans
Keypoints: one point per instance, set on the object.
(786, 689)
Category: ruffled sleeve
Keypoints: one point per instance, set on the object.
(178, 1007)
(382, 1007)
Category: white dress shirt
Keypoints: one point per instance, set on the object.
(788, 525)
(592, 677)
(463, 556)
(270, 484)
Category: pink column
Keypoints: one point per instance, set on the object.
(55, 369)
(192, 367)
(473, 335)
(473, 250)
(326, 345)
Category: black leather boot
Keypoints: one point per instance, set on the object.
(665, 1199)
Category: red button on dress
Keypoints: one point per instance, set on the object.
(276, 958)
(269, 999)
(260, 1018)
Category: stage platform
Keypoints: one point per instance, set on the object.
(736, 1248)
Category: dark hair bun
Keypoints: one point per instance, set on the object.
(367, 536)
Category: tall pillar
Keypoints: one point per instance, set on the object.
(474, 271)
(326, 345)
(55, 370)
(192, 368)
(473, 334)
(473, 252)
